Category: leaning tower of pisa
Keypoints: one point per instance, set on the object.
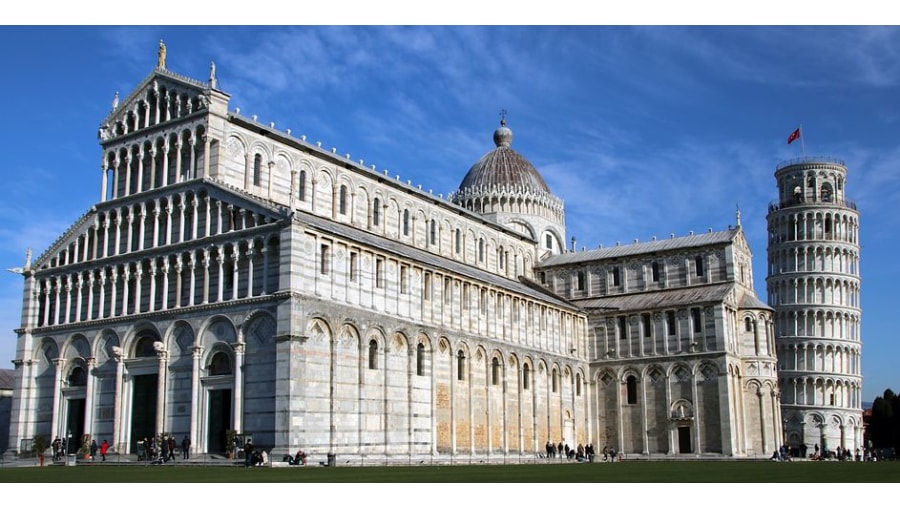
(814, 285)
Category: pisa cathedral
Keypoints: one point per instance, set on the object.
(235, 277)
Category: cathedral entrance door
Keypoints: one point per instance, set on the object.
(684, 440)
(143, 408)
(74, 424)
(219, 418)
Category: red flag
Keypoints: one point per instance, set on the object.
(794, 136)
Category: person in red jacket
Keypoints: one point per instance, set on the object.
(103, 448)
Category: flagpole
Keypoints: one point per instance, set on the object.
(802, 143)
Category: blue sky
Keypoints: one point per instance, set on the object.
(642, 130)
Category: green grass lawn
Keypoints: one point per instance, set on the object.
(628, 472)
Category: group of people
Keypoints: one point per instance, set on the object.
(299, 459)
(59, 447)
(162, 449)
(254, 457)
(582, 453)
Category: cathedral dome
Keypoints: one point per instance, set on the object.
(503, 169)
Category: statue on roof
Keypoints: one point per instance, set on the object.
(161, 55)
(212, 75)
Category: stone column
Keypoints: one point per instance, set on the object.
(90, 303)
(235, 280)
(142, 226)
(165, 280)
(138, 274)
(104, 181)
(163, 360)
(192, 286)
(205, 275)
(206, 149)
(239, 384)
(57, 384)
(153, 152)
(155, 242)
(219, 217)
(249, 254)
(179, 266)
(113, 279)
(101, 312)
(126, 277)
(194, 220)
(153, 270)
(165, 169)
(181, 208)
(130, 236)
(192, 170)
(56, 311)
(79, 285)
(68, 298)
(196, 353)
(208, 217)
(140, 172)
(178, 164)
(90, 362)
(220, 287)
(169, 209)
(117, 217)
(128, 159)
(117, 165)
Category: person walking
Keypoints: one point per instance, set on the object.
(93, 449)
(172, 446)
(164, 455)
(248, 453)
(104, 447)
(185, 448)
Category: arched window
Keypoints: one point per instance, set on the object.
(555, 382)
(460, 366)
(458, 241)
(432, 233)
(257, 169)
(373, 355)
(631, 388)
(577, 384)
(77, 377)
(376, 211)
(495, 371)
(654, 268)
(301, 186)
(580, 281)
(526, 377)
(549, 241)
(698, 262)
(420, 360)
(480, 249)
(406, 222)
(144, 347)
(342, 200)
(748, 324)
(220, 364)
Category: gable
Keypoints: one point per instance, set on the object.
(161, 97)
